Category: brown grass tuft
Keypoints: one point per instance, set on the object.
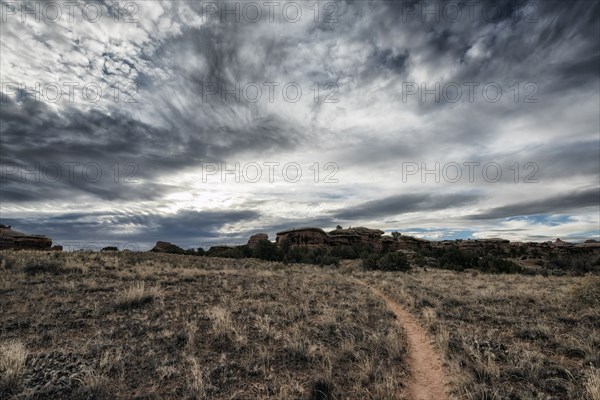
(137, 295)
(13, 356)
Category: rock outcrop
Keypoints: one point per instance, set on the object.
(166, 247)
(315, 237)
(254, 239)
(303, 237)
(11, 239)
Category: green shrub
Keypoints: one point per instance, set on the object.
(267, 250)
(497, 265)
(369, 261)
(394, 261)
(227, 252)
(578, 263)
(455, 259)
(110, 248)
(344, 252)
(328, 260)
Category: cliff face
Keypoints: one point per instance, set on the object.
(11, 239)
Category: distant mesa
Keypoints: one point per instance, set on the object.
(166, 247)
(11, 239)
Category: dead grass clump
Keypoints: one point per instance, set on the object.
(322, 389)
(12, 367)
(196, 380)
(592, 384)
(137, 295)
(95, 386)
(587, 293)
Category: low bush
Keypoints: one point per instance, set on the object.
(497, 265)
(110, 248)
(395, 261)
(47, 267)
(576, 263)
(267, 250)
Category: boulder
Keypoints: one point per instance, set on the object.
(254, 239)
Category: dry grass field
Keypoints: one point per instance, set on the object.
(508, 336)
(155, 326)
(158, 326)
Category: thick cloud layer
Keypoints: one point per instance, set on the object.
(444, 119)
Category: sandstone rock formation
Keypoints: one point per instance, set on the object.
(254, 239)
(316, 237)
(166, 247)
(412, 243)
(303, 237)
(10, 239)
(355, 235)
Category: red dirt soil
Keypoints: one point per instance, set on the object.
(428, 380)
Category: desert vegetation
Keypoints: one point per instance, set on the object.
(111, 325)
(508, 336)
(140, 325)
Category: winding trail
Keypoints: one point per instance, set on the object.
(427, 378)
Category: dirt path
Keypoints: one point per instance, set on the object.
(427, 381)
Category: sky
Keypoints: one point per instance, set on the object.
(201, 122)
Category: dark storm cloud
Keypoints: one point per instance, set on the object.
(518, 40)
(584, 198)
(94, 144)
(369, 52)
(186, 228)
(404, 203)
